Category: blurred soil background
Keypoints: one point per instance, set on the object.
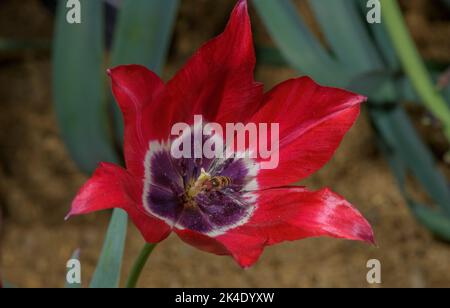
(38, 179)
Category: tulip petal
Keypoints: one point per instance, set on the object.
(202, 242)
(136, 90)
(313, 121)
(291, 214)
(245, 249)
(286, 214)
(113, 187)
(217, 82)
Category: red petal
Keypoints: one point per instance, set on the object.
(296, 213)
(245, 249)
(113, 187)
(313, 121)
(136, 90)
(217, 82)
(202, 242)
(286, 214)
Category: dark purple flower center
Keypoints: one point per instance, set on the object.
(205, 195)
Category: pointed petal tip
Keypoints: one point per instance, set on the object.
(240, 7)
(115, 70)
(245, 265)
(367, 235)
(67, 217)
(371, 239)
(362, 99)
(242, 3)
(72, 212)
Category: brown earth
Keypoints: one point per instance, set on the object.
(38, 181)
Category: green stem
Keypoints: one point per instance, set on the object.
(413, 64)
(139, 264)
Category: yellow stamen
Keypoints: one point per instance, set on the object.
(196, 187)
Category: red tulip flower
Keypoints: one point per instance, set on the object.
(259, 208)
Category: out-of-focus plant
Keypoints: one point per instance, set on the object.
(360, 56)
(224, 204)
(82, 101)
(381, 61)
(14, 45)
(413, 64)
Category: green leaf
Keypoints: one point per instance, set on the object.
(143, 36)
(405, 146)
(270, 56)
(107, 273)
(75, 256)
(347, 35)
(298, 45)
(352, 44)
(413, 64)
(434, 220)
(381, 39)
(78, 85)
(144, 32)
(379, 86)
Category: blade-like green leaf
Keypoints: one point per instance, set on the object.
(299, 46)
(270, 56)
(404, 149)
(143, 36)
(435, 221)
(78, 83)
(144, 32)
(75, 256)
(381, 38)
(405, 145)
(107, 273)
(380, 86)
(413, 64)
(347, 35)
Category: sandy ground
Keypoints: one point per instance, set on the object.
(38, 181)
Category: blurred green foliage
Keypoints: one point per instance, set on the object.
(82, 100)
(361, 57)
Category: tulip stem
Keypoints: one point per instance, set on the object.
(139, 264)
(413, 64)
